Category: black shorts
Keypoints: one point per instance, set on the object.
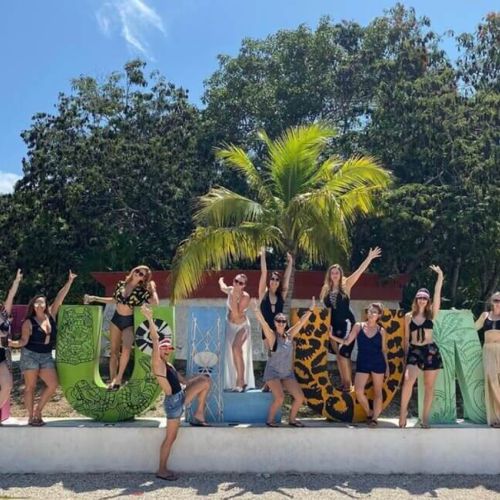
(122, 322)
(426, 357)
(341, 331)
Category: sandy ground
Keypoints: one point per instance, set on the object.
(273, 486)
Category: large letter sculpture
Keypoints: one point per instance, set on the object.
(312, 373)
(77, 360)
(460, 349)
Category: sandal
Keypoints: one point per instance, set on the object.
(424, 426)
(170, 476)
(297, 423)
(196, 422)
(113, 387)
(36, 422)
(272, 424)
(372, 423)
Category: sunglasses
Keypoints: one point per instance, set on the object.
(280, 320)
(140, 273)
(238, 282)
(372, 311)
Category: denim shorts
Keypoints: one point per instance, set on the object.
(31, 360)
(174, 404)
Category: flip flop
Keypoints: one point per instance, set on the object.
(296, 424)
(372, 423)
(169, 477)
(198, 423)
(113, 387)
(272, 424)
(424, 426)
(36, 422)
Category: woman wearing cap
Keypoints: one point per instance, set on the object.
(278, 374)
(422, 352)
(5, 325)
(489, 322)
(372, 360)
(135, 290)
(238, 362)
(272, 294)
(335, 294)
(176, 398)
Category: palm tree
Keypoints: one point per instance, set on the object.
(300, 203)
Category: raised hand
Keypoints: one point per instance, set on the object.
(437, 270)
(71, 276)
(289, 257)
(147, 311)
(375, 253)
(19, 276)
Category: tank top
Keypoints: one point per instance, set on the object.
(340, 308)
(36, 342)
(369, 348)
(280, 361)
(173, 379)
(428, 324)
(266, 308)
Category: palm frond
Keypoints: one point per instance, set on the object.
(235, 157)
(213, 248)
(221, 207)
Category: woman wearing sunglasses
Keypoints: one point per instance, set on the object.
(279, 374)
(422, 352)
(371, 361)
(489, 322)
(238, 362)
(5, 325)
(135, 290)
(272, 294)
(38, 339)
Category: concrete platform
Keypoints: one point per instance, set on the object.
(82, 445)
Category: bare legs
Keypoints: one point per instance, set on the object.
(409, 378)
(125, 340)
(344, 365)
(49, 377)
(239, 363)
(360, 382)
(292, 387)
(429, 382)
(5, 383)
(197, 387)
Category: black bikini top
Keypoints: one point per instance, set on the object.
(428, 324)
(491, 324)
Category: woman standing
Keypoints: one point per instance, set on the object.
(422, 353)
(238, 362)
(272, 294)
(135, 290)
(336, 294)
(38, 339)
(279, 374)
(490, 323)
(372, 360)
(5, 326)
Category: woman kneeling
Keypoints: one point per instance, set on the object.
(278, 373)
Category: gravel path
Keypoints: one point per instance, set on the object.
(273, 486)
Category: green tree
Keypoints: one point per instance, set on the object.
(300, 203)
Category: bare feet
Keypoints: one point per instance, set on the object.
(402, 421)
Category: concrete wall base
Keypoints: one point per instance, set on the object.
(85, 446)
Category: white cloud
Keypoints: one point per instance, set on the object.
(7, 181)
(134, 18)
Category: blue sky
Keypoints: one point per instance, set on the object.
(46, 43)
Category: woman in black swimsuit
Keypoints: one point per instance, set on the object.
(38, 340)
(135, 290)
(272, 294)
(335, 294)
(5, 324)
(422, 353)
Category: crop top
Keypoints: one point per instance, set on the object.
(428, 324)
(138, 296)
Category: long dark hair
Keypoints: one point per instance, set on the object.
(31, 306)
(279, 290)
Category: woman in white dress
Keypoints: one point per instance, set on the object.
(238, 363)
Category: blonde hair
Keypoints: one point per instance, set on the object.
(145, 281)
(494, 296)
(328, 285)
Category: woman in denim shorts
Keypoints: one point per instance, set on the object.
(38, 339)
(176, 396)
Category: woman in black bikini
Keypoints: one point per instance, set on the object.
(422, 353)
(336, 294)
(272, 295)
(5, 324)
(38, 339)
(135, 290)
(176, 397)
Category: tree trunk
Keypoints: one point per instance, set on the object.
(454, 280)
(289, 295)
